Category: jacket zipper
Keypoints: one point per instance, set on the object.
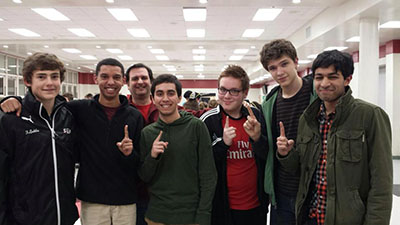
(53, 143)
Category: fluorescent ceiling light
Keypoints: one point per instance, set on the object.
(17, 1)
(339, 48)
(203, 1)
(114, 50)
(195, 14)
(157, 51)
(168, 66)
(149, 46)
(46, 46)
(313, 56)
(24, 32)
(201, 46)
(123, 14)
(252, 47)
(29, 53)
(51, 14)
(199, 68)
(198, 51)
(81, 32)
(162, 57)
(140, 33)
(110, 1)
(71, 50)
(1, 19)
(296, 1)
(199, 57)
(252, 32)
(195, 33)
(200, 76)
(179, 76)
(88, 57)
(5, 46)
(240, 51)
(354, 39)
(235, 57)
(266, 14)
(390, 24)
(303, 61)
(125, 57)
(171, 69)
(98, 46)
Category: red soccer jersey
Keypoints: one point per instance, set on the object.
(241, 169)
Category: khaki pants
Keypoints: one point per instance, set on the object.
(99, 214)
(149, 222)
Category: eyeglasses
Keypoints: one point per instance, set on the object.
(233, 92)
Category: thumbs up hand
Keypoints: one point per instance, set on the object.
(229, 133)
(126, 145)
(283, 144)
(158, 146)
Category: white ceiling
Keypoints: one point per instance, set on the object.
(331, 22)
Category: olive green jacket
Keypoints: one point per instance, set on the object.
(359, 163)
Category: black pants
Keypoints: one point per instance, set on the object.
(256, 216)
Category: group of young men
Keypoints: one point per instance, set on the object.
(314, 153)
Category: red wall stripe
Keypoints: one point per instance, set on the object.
(356, 56)
(199, 83)
(85, 78)
(392, 47)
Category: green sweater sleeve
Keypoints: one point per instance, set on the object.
(207, 175)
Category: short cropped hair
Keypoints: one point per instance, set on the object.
(68, 96)
(342, 61)
(238, 73)
(275, 50)
(109, 62)
(42, 61)
(136, 66)
(166, 78)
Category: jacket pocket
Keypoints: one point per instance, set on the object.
(302, 143)
(350, 145)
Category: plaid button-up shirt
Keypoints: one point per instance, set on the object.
(318, 202)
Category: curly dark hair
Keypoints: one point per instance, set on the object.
(42, 61)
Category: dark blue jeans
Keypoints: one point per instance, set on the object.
(284, 213)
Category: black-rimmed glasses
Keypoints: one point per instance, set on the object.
(233, 92)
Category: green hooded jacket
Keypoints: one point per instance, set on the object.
(268, 107)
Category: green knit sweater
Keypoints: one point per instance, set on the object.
(182, 179)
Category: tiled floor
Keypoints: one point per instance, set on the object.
(395, 219)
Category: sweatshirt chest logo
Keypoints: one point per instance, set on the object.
(27, 119)
(67, 130)
(31, 131)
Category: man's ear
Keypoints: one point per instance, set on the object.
(246, 92)
(27, 83)
(347, 80)
(95, 79)
(296, 62)
(151, 97)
